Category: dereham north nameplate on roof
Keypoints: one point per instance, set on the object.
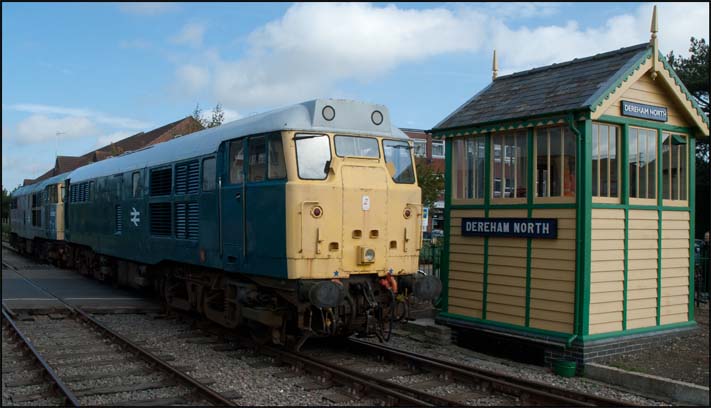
(510, 227)
(640, 110)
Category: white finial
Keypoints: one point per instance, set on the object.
(495, 68)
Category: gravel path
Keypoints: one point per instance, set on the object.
(685, 358)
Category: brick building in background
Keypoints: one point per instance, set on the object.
(140, 140)
(432, 153)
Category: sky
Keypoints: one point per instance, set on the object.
(77, 76)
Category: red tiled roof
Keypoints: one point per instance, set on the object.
(140, 140)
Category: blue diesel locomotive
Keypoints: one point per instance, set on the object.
(302, 221)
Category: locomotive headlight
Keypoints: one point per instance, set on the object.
(369, 255)
(407, 213)
(317, 212)
(366, 255)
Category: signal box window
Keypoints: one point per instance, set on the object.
(208, 174)
(642, 159)
(236, 162)
(555, 147)
(674, 167)
(510, 155)
(277, 167)
(605, 163)
(468, 168)
(257, 159)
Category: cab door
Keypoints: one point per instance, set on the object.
(232, 201)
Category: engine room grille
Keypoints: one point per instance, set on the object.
(160, 219)
(79, 192)
(187, 178)
(118, 217)
(186, 220)
(161, 181)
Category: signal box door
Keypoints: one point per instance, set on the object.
(232, 195)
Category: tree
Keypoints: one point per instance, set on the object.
(430, 181)
(694, 73)
(218, 116)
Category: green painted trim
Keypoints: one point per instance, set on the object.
(639, 207)
(444, 270)
(529, 200)
(579, 234)
(498, 126)
(686, 92)
(513, 206)
(692, 219)
(587, 224)
(620, 80)
(618, 120)
(660, 215)
(625, 199)
(621, 333)
(487, 201)
(507, 326)
(625, 270)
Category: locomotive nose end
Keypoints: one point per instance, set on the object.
(425, 287)
(322, 293)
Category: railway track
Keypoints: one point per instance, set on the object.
(80, 361)
(364, 371)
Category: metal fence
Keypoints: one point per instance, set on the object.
(431, 257)
(702, 280)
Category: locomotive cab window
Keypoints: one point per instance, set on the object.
(398, 160)
(236, 162)
(276, 165)
(135, 184)
(257, 159)
(357, 147)
(313, 156)
(208, 174)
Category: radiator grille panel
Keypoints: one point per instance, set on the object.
(161, 181)
(186, 220)
(187, 178)
(118, 219)
(160, 219)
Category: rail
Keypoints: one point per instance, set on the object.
(532, 391)
(57, 384)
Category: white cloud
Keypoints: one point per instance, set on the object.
(525, 47)
(191, 79)
(314, 46)
(98, 117)
(148, 8)
(191, 35)
(40, 128)
(231, 115)
(113, 138)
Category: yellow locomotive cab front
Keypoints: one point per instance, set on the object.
(362, 215)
